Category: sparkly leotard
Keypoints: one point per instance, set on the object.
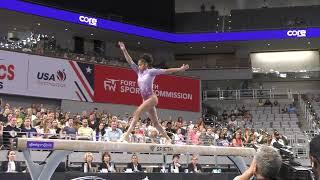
(145, 79)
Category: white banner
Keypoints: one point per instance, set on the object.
(39, 76)
(62, 79)
(13, 72)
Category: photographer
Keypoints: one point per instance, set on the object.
(265, 165)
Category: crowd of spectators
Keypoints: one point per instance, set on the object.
(37, 121)
(232, 128)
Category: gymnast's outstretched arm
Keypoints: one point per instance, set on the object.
(184, 67)
(125, 52)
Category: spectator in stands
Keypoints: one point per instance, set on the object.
(179, 124)
(233, 122)
(264, 138)
(225, 115)
(237, 140)
(284, 110)
(134, 165)
(93, 122)
(140, 132)
(4, 115)
(212, 132)
(170, 131)
(194, 167)
(175, 166)
(55, 126)
(265, 165)
(292, 109)
(315, 156)
(99, 132)
(250, 136)
(70, 129)
(247, 117)
(268, 103)
(242, 110)
(88, 165)
(179, 138)
(260, 103)
(277, 140)
(222, 141)
(11, 165)
(45, 129)
(153, 137)
(136, 136)
(193, 137)
(107, 165)
(275, 103)
(27, 130)
(206, 139)
(85, 130)
(10, 132)
(233, 114)
(113, 133)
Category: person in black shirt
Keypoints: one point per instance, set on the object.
(175, 166)
(134, 165)
(10, 132)
(194, 167)
(92, 121)
(170, 131)
(107, 165)
(11, 165)
(88, 165)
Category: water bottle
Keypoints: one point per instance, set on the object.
(112, 167)
(163, 170)
(172, 168)
(85, 168)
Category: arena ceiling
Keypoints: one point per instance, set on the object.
(14, 21)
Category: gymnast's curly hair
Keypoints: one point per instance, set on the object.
(146, 58)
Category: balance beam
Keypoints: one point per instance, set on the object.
(80, 145)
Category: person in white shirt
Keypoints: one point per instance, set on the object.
(11, 165)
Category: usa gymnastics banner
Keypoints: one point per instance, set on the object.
(119, 85)
(60, 79)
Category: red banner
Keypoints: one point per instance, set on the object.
(119, 86)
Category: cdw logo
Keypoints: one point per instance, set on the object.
(297, 33)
